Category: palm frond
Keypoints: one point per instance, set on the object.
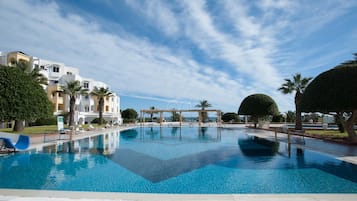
(203, 104)
(297, 84)
(101, 92)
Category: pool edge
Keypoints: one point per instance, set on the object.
(12, 194)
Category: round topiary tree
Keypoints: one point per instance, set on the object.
(335, 91)
(258, 106)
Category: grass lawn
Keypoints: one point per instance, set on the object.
(327, 133)
(33, 129)
(43, 129)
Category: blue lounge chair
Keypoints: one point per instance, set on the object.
(22, 143)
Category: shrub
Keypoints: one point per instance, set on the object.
(96, 121)
(230, 117)
(45, 121)
(278, 118)
(259, 106)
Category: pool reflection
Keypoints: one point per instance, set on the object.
(163, 134)
(103, 144)
(253, 146)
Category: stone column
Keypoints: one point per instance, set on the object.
(160, 118)
(199, 118)
(180, 118)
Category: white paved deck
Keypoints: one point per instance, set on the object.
(35, 195)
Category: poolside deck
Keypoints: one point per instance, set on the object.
(35, 195)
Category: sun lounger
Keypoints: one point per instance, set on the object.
(22, 143)
(90, 127)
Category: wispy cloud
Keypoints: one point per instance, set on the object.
(245, 58)
(158, 13)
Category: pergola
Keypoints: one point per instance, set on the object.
(142, 114)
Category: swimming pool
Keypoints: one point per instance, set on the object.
(178, 160)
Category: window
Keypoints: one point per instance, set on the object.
(12, 61)
(9, 125)
(69, 73)
(86, 84)
(86, 96)
(56, 69)
(86, 108)
(60, 107)
(107, 108)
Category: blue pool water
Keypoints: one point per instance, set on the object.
(178, 160)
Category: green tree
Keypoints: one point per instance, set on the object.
(73, 89)
(35, 74)
(290, 116)
(278, 118)
(101, 93)
(129, 115)
(230, 117)
(203, 105)
(335, 91)
(175, 116)
(311, 117)
(297, 85)
(259, 107)
(21, 98)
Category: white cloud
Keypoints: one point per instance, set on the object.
(246, 60)
(127, 63)
(158, 13)
(257, 54)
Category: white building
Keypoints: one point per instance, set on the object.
(58, 74)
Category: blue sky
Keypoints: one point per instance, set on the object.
(172, 54)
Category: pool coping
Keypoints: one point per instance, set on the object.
(21, 195)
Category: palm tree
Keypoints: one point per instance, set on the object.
(152, 113)
(34, 73)
(297, 84)
(39, 77)
(101, 93)
(73, 89)
(203, 105)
